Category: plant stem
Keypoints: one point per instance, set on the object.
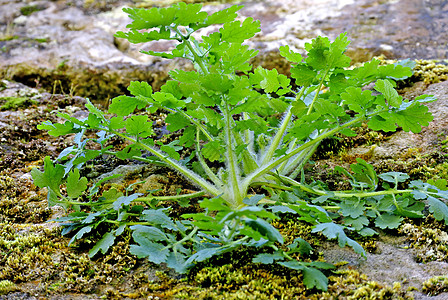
(197, 58)
(281, 131)
(169, 198)
(210, 188)
(319, 87)
(236, 197)
(263, 169)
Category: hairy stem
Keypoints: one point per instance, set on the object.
(195, 178)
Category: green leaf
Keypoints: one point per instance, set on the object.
(316, 52)
(253, 200)
(148, 232)
(177, 262)
(353, 208)
(158, 217)
(398, 71)
(364, 172)
(149, 18)
(75, 186)
(168, 100)
(313, 278)
(357, 223)
(58, 129)
(125, 200)
(438, 209)
(172, 149)
(216, 82)
(265, 229)
(176, 121)
(290, 55)
(394, 177)
(136, 37)
(187, 14)
(237, 32)
(80, 234)
(51, 177)
(125, 105)
(301, 246)
(303, 74)
(413, 117)
(154, 252)
(103, 245)
(267, 258)
(204, 254)
(224, 16)
(389, 92)
(139, 126)
(385, 220)
(212, 150)
(357, 99)
(335, 54)
(269, 80)
(332, 231)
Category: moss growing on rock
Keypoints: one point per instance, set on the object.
(429, 239)
(435, 285)
(6, 286)
(13, 103)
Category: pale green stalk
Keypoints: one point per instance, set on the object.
(232, 164)
(195, 178)
(263, 169)
(281, 131)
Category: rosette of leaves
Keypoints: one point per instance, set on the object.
(229, 121)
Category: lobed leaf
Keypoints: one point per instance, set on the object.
(75, 185)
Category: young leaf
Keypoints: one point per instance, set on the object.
(139, 126)
(391, 95)
(51, 177)
(237, 32)
(75, 186)
(290, 55)
(223, 16)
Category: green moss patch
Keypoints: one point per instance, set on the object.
(14, 103)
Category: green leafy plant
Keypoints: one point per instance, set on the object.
(225, 110)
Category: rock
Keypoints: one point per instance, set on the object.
(393, 262)
(68, 47)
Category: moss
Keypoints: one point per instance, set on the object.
(435, 285)
(20, 203)
(428, 237)
(29, 9)
(6, 286)
(430, 71)
(13, 103)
